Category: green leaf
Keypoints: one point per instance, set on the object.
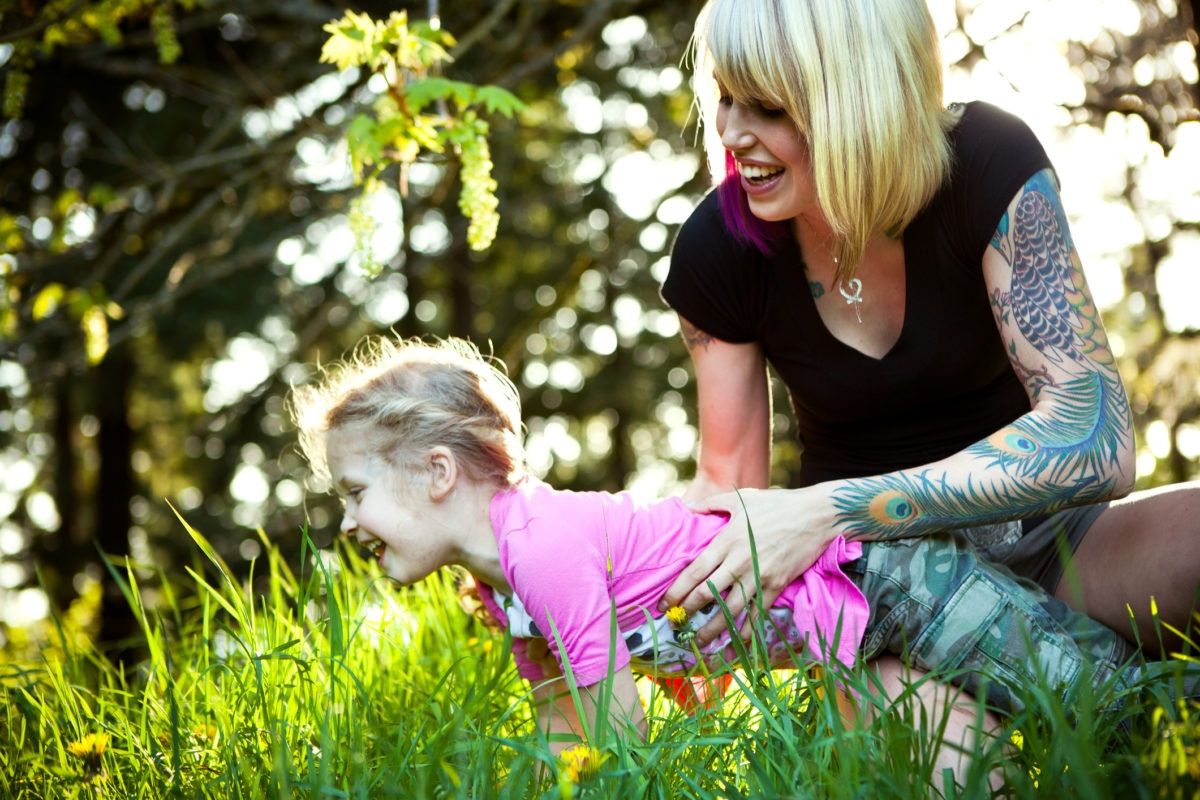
(365, 142)
(352, 41)
(47, 301)
(426, 54)
(423, 92)
(498, 101)
(427, 133)
(427, 32)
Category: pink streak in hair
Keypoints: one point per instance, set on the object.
(738, 217)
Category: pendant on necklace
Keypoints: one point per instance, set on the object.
(852, 291)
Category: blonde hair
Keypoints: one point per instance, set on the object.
(418, 395)
(861, 79)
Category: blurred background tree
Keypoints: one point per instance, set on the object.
(177, 234)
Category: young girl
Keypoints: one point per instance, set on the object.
(423, 443)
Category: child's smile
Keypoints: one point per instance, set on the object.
(387, 510)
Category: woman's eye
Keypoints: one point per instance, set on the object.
(768, 111)
(725, 100)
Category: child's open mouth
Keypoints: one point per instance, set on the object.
(374, 546)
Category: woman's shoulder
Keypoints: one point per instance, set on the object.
(705, 227)
(994, 153)
(984, 130)
(981, 112)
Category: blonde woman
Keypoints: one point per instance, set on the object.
(907, 271)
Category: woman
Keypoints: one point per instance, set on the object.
(907, 271)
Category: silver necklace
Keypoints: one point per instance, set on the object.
(853, 296)
(852, 289)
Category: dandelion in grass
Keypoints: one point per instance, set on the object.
(91, 750)
(475, 643)
(679, 621)
(579, 763)
(206, 733)
(685, 634)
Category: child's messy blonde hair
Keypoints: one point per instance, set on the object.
(418, 395)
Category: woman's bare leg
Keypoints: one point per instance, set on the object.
(1144, 547)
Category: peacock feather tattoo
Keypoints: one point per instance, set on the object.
(1048, 305)
(1050, 462)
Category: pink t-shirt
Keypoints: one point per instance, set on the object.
(572, 558)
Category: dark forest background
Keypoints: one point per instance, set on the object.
(178, 168)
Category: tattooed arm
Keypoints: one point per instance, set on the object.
(1074, 446)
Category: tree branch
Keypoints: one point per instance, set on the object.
(30, 31)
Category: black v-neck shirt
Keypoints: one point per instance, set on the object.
(945, 384)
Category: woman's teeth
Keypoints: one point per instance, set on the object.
(757, 174)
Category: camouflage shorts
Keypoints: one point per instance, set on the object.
(1039, 548)
(938, 605)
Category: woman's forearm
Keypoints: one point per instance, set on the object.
(1078, 451)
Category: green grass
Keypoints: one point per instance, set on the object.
(335, 683)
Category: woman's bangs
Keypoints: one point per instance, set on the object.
(740, 54)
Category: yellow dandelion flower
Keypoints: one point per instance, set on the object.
(677, 616)
(579, 763)
(205, 732)
(90, 747)
(679, 621)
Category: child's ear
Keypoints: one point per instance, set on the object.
(443, 472)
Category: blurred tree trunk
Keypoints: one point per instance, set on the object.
(114, 489)
(458, 266)
(66, 486)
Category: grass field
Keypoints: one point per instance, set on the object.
(336, 683)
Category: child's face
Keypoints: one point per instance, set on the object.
(388, 509)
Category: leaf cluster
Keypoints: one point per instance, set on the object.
(71, 23)
(418, 112)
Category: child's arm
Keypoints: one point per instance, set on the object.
(559, 718)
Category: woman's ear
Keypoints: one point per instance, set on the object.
(443, 472)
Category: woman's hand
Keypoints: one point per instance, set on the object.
(791, 528)
(786, 542)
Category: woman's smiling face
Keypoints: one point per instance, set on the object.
(771, 155)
